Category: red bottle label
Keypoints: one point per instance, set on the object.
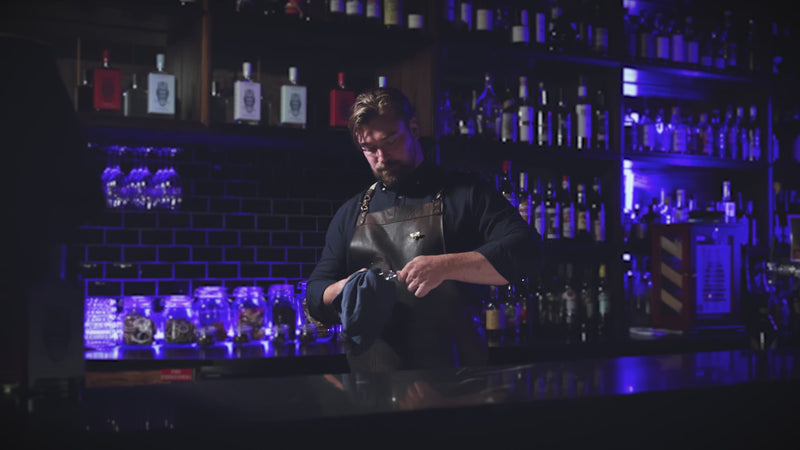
(107, 90)
(340, 104)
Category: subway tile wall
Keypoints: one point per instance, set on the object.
(249, 216)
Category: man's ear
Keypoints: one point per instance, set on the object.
(413, 126)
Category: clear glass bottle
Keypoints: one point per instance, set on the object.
(293, 102)
(509, 119)
(544, 119)
(161, 94)
(525, 113)
(679, 131)
(180, 320)
(250, 314)
(322, 332)
(283, 303)
(647, 132)
(213, 314)
(221, 105)
(583, 116)
(488, 109)
(520, 30)
(138, 325)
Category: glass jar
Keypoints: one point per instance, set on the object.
(213, 314)
(138, 326)
(321, 332)
(250, 314)
(283, 303)
(180, 320)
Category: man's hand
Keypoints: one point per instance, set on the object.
(423, 274)
(335, 289)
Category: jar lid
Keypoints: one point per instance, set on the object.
(248, 291)
(138, 301)
(177, 301)
(211, 291)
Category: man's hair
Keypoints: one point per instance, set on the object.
(379, 102)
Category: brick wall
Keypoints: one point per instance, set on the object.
(254, 213)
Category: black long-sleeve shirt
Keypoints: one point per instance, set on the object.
(476, 217)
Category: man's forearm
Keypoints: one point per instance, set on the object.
(333, 290)
(470, 267)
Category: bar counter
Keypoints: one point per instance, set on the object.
(713, 399)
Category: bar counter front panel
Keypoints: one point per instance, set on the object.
(717, 399)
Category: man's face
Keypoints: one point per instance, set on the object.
(391, 148)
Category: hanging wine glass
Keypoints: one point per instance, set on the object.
(113, 178)
(172, 182)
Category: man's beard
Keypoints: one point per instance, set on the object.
(397, 172)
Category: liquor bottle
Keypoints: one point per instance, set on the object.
(600, 27)
(728, 38)
(681, 209)
(544, 119)
(630, 123)
(161, 90)
(601, 127)
(586, 301)
(707, 50)
(569, 306)
(373, 13)
(520, 30)
(509, 121)
(752, 234)
(107, 94)
(597, 211)
(659, 127)
(720, 125)
(415, 14)
(354, 11)
(525, 113)
(488, 109)
(583, 220)
(335, 12)
(743, 141)
(631, 33)
(563, 121)
(511, 308)
(679, 131)
(647, 38)
(537, 307)
(537, 209)
(528, 314)
(751, 57)
(552, 211)
(524, 198)
(446, 117)
(692, 39)
(247, 98)
(704, 136)
(393, 14)
(732, 122)
(718, 47)
(662, 37)
(539, 26)
(647, 132)
(134, 99)
(581, 12)
(677, 43)
(494, 317)
(341, 99)
(84, 93)
(583, 116)
(604, 323)
(754, 135)
(464, 16)
(467, 124)
(504, 184)
(293, 102)
(567, 209)
(484, 16)
(221, 105)
(562, 33)
(727, 205)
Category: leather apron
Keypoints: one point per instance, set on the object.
(438, 330)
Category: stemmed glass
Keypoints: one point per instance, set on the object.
(172, 182)
(138, 180)
(113, 178)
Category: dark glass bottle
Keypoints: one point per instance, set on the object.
(504, 184)
(134, 99)
(509, 119)
(526, 115)
(544, 118)
(605, 329)
(84, 93)
(524, 198)
(511, 309)
(601, 127)
(583, 117)
(567, 203)
(562, 33)
(587, 303)
(493, 317)
(537, 209)
(597, 211)
(583, 220)
(563, 121)
(552, 211)
(569, 306)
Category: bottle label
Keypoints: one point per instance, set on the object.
(583, 221)
(552, 223)
(570, 305)
(599, 225)
(416, 22)
(679, 138)
(584, 113)
(540, 23)
(568, 222)
(340, 103)
(484, 19)
(391, 15)
(520, 34)
(563, 131)
(107, 89)
(524, 209)
(161, 93)
(495, 320)
(601, 39)
(526, 124)
(693, 52)
(293, 105)
(354, 7)
(337, 6)
(601, 130)
(466, 14)
(678, 48)
(509, 127)
(543, 136)
(603, 303)
(373, 9)
(247, 101)
(662, 47)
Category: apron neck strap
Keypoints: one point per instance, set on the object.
(362, 215)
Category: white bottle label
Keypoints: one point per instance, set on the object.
(247, 105)
(337, 6)
(354, 7)
(391, 14)
(160, 93)
(568, 222)
(599, 226)
(293, 104)
(600, 39)
(509, 130)
(484, 20)
(693, 52)
(526, 124)
(539, 219)
(416, 22)
(603, 303)
(552, 223)
(662, 47)
(466, 14)
(677, 48)
(584, 115)
(520, 34)
(373, 9)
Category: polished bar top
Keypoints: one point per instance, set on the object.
(667, 386)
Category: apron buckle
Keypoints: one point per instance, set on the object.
(417, 235)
